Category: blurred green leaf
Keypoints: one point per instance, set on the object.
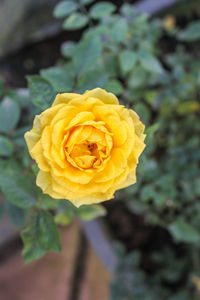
(89, 212)
(85, 2)
(15, 214)
(92, 80)
(64, 217)
(65, 8)
(127, 60)
(86, 54)
(75, 21)
(114, 86)
(61, 78)
(184, 232)
(102, 9)
(68, 48)
(6, 146)
(191, 33)
(9, 115)
(41, 91)
(119, 30)
(150, 62)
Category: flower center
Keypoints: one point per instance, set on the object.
(87, 147)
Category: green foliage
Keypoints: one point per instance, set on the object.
(65, 8)
(75, 21)
(9, 114)
(41, 91)
(191, 33)
(101, 9)
(17, 188)
(67, 212)
(132, 281)
(6, 146)
(86, 54)
(61, 78)
(40, 236)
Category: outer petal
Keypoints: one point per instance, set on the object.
(103, 95)
(44, 181)
(65, 98)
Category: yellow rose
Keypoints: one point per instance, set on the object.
(86, 147)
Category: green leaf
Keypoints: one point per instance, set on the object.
(9, 115)
(17, 188)
(2, 209)
(67, 49)
(61, 78)
(40, 236)
(184, 232)
(15, 214)
(143, 111)
(150, 62)
(102, 9)
(75, 21)
(41, 91)
(191, 33)
(86, 54)
(64, 8)
(44, 201)
(127, 60)
(64, 217)
(89, 212)
(85, 2)
(119, 30)
(48, 236)
(6, 146)
(18, 137)
(150, 132)
(92, 80)
(114, 86)
(32, 248)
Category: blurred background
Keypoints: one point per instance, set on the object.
(144, 244)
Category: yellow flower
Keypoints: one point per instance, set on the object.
(86, 147)
(196, 281)
(169, 22)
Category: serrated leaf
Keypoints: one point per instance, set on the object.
(102, 9)
(32, 248)
(191, 33)
(89, 212)
(65, 8)
(86, 54)
(184, 232)
(127, 60)
(114, 86)
(48, 236)
(18, 189)
(41, 91)
(40, 236)
(61, 78)
(75, 21)
(6, 146)
(150, 62)
(9, 114)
